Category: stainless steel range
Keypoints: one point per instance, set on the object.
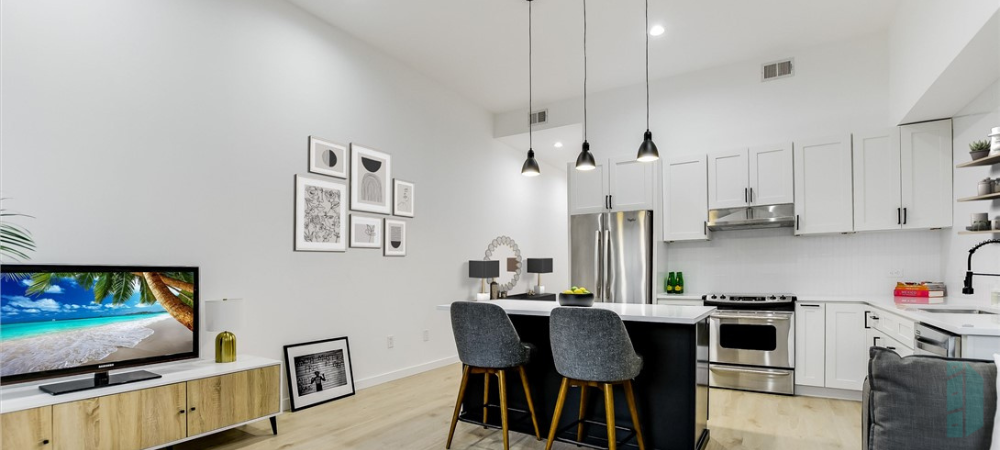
(752, 342)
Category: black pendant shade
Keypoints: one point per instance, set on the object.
(586, 160)
(647, 150)
(530, 167)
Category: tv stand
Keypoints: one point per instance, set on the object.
(101, 379)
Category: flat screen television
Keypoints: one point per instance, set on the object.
(58, 320)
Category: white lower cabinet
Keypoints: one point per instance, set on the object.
(810, 344)
(876, 338)
(846, 357)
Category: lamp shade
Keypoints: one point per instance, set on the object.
(539, 265)
(484, 269)
(224, 315)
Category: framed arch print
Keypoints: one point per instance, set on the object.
(371, 175)
(327, 158)
(402, 197)
(395, 238)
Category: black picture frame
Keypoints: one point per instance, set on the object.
(308, 356)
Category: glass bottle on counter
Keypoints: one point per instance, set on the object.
(679, 283)
(668, 283)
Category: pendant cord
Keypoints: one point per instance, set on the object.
(530, 144)
(584, 70)
(646, 32)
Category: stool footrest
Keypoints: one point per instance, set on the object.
(628, 437)
(523, 416)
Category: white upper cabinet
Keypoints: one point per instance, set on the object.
(685, 198)
(926, 162)
(588, 189)
(618, 184)
(771, 175)
(824, 200)
(728, 179)
(876, 181)
(632, 184)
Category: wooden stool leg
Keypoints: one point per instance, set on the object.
(630, 398)
(609, 410)
(486, 396)
(458, 405)
(583, 411)
(503, 408)
(560, 402)
(531, 404)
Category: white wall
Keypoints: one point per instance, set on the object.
(170, 132)
(973, 124)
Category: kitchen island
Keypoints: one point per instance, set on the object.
(671, 391)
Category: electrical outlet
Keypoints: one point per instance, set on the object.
(427, 335)
(895, 273)
(390, 342)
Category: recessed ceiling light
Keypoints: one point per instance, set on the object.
(656, 30)
(558, 144)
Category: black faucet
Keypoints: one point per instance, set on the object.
(967, 290)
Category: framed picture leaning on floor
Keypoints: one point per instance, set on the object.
(318, 372)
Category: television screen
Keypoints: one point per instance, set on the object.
(61, 320)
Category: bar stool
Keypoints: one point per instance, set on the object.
(591, 348)
(488, 344)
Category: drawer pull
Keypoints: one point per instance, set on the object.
(45, 442)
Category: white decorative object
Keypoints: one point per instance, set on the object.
(539, 290)
(395, 238)
(320, 215)
(482, 296)
(371, 172)
(499, 243)
(366, 232)
(402, 195)
(995, 143)
(327, 158)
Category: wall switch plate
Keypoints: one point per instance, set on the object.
(895, 273)
(390, 342)
(427, 335)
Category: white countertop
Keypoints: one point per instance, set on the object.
(17, 397)
(630, 312)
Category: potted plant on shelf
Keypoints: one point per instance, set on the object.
(979, 149)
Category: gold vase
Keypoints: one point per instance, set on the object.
(225, 347)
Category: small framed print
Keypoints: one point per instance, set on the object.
(371, 173)
(402, 198)
(320, 215)
(319, 372)
(327, 158)
(366, 232)
(395, 238)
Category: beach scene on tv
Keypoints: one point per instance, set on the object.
(54, 321)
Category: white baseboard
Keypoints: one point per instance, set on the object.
(389, 376)
(839, 394)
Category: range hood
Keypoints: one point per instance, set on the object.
(752, 217)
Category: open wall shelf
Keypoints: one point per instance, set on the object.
(979, 232)
(981, 197)
(987, 161)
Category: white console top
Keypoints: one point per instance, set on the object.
(629, 312)
(17, 397)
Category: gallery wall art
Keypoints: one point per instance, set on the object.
(366, 232)
(371, 173)
(403, 199)
(319, 372)
(327, 157)
(320, 215)
(395, 238)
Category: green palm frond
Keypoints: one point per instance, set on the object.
(122, 287)
(146, 296)
(186, 297)
(10, 276)
(102, 287)
(39, 283)
(15, 240)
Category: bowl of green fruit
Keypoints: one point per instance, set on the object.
(576, 296)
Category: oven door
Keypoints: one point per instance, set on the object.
(753, 338)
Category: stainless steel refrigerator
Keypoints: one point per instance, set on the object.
(612, 255)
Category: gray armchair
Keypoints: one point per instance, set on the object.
(927, 402)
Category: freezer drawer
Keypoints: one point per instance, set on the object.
(775, 381)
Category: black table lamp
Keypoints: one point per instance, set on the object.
(484, 269)
(539, 266)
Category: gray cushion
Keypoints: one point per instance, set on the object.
(927, 402)
(485, 337)
(592, 344)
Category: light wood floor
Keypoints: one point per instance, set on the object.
(414, 413)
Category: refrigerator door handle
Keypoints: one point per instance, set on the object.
(599, 264)
(608, 292)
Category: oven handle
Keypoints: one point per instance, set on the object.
(753, 371)
(750, 316)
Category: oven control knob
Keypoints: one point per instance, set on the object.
(714, 297)
(772, 297)
(723, 297)
(782, 297)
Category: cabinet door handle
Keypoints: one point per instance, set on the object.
(867, 314)
(891, 348)
(706, 227)
(875, 341)
(904, 216)
(611, 201)
(746, 195)
(899, 216)
(751, 195)
(797, 220)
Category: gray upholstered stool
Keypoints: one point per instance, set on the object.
(488, 344)
(591, 348)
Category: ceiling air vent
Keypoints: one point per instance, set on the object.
(539, 117)
(778, 69)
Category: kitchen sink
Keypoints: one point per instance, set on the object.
(955, 311)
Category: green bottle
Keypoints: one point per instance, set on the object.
(669, 283)
(679, 283)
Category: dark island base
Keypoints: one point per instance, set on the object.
(671, 392)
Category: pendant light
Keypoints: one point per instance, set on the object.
(586, 160)
(647, 150)
(530, 167)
